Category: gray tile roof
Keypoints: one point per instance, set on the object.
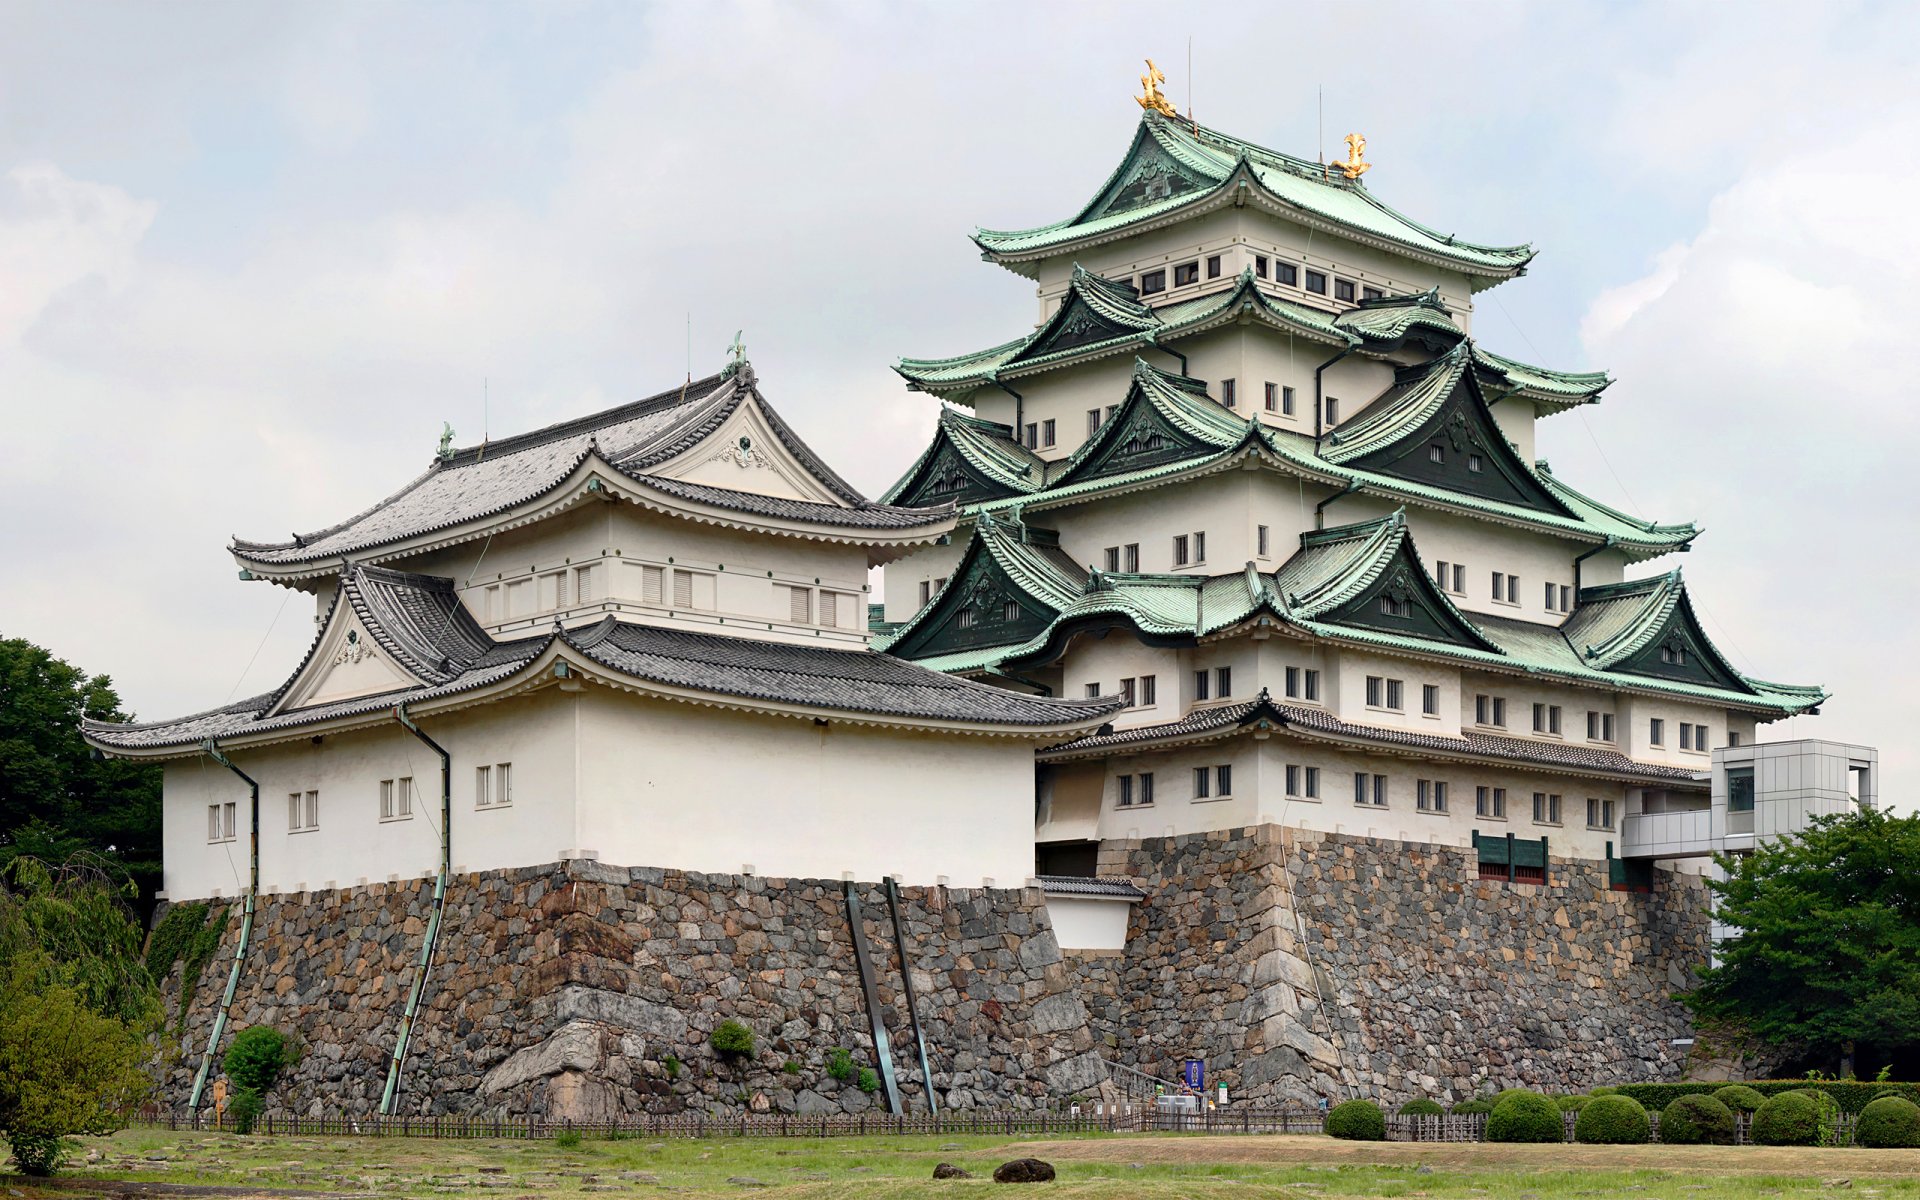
(1319, 721)
(818, 676)
(480, 481)
(420, 622)
(1101, 886)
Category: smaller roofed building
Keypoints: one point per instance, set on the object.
(641, 637)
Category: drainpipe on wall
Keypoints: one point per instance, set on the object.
(1170, 350)
(1319, 401)
(1609, 544)
(212, 749)
(392, 1090)
(1320, 509)
(1019, 412)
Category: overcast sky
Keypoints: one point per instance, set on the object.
(252, 256)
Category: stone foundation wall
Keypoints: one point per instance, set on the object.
(587, 991)
(1302, 964)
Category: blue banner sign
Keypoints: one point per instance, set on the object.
(1195, 1074)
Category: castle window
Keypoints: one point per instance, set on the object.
(1147, 696)
(1343, 290)
(1599, 814)
(396, 799)
(1429, 699)
(683, 589)
(1287, 273)
(1299, 777)
(1674, 654)
(1202, 783)
(1223, 780)
(1223, 682)
(1200, 547)
(1136, 791)
(1213, 266)
(1430, 795)
(1566, 598)
(1733, 738)
(1546, 808)
(1010, 611)
(1093, 691)
(1229, 392)
(1333, 410)
(1316, 282)
(1303, 683)
(1371, 293)
(1546, 719)
(1260, 540)
(1599, 727)
(1271, 397)
(1490, 802)
(1131, 556)
(1474, 464)
(926, 591)
(1031, 435)
(1153, 282)
(493, 786)
(1436, 453)
(1384, 693)
(1125, 799)
(964, 618)
(1047, 433)
(1389, 606)
(1138, 693)
(303, 812)
(1186, 273)
(583, 585)
(829, 608)
(1369, 791)
(220, 822)
(1179, 549)
(1093, 421)
(799, 604)
(1201, 683)
(1656, 731)
(1260, 266)
(1113, 558)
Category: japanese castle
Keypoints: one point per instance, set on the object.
(1251, 472)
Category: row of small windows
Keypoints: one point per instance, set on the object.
(1320, 283)
(1043, 435)
(1138, 692)
(1216, 685)
(546, 592)
(1503, 586)
(967, 617)
(1209, 783)
(1390, 694)
(493, 788)
(1437, 453)
(1303, 683)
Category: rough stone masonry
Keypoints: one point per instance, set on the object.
(589, 992)
(1303, 965)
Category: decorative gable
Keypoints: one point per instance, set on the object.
(1149, 176)
(346, 665)
(980, 607)
(1457, 446)
(745, 455)
(947, 476)
(1138, 436)
(1681, 652)
(1403, 601)
(1074, 326)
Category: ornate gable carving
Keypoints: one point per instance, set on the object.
(981, 608)
(949, 477)
(744, 455)
(1151, 175)
(1682, 653)
(1403, 601)
(1461, 448)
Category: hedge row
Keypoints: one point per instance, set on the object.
(1851, 1095)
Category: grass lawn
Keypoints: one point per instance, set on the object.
(1095, 1167)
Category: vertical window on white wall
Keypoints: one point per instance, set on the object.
(1125, 797)
(483, 787)
(1180, 558)
(1222, 682)
(1313, 783)
(584, 585)
(1429, 699)
(1201, 682)
(220, 822)
(386, 799)
(1261, 540)
(1202, 783)
(403, 796)
(653, 586)
(683, 589)
(829, 607)
(503, 783)
(313, 811)
(1293, 779)
(1223, 780)
(1131, 556)
(1200, 546)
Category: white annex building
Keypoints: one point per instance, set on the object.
(640, 637)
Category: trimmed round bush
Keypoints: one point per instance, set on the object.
(1696, 1120)
(1603, 1091)
(1479, 1105)
(1357, 1121)
(1789, 1119)
(1571, 1104)
(1422, 1107)
(1889, 1123)
(1521, 1116)
(1740, 1098)
(1612, 1120)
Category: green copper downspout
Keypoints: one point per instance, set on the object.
(1610, 543)
(392, 1091)
(1319, 400)
(913, 1004)
(1320, 509)
(1019, 410)
(212, 749)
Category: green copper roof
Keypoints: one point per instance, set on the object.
(971, 460)
(1099, 317)
(1011, 581)
(1174, 166)
(1141, 326)
(1330, 588)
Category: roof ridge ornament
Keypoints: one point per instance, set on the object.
(737, 364)
(1354, 167)
(1155, 100)
(445, 453)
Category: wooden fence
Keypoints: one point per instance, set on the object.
(1090, 1118)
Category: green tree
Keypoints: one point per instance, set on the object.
(1828, 951)
(55, 797)
(76, 1006)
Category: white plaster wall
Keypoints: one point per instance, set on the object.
(1082, 923)
(1485, 548)
(1220, 505)
(1101, 662)
(905, 575)
(741, 577)
(1637, 713)
(669, 784)
(352, 844)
